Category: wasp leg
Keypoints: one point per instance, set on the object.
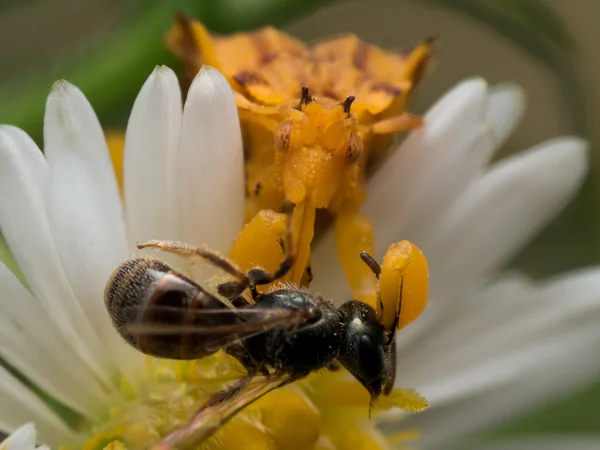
(219, 410)
(239, 352)
(390, 373)
(228, 393)
(229, 290)
(354, 237)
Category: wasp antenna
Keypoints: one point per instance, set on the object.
(348, 103)
(371, 263)
(306, 97)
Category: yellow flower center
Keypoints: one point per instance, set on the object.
(328, 410)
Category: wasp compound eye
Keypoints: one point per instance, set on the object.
(363, 350)
(369, 358)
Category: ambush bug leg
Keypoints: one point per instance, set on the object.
(266, 242)
(261, 243)
(302, 229)
(417, 63)
(403, 285)
(185, 39)
(353, 236)
(397, 124)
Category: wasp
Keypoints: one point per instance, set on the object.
(279, 335)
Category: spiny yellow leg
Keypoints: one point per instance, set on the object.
(259, 242)
(303, 230)
(417, 61)
(192, 43)
(353, 235)
(403, 284)
(397, 124)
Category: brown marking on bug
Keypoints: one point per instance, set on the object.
(386, 88)
(282, 135)
(361, 55)
(247, 78)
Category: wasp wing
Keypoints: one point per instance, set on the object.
(216, 327)
(219, 409)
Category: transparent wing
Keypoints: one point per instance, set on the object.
(219, 325)
(219, 409)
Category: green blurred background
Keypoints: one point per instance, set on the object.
(108, 48)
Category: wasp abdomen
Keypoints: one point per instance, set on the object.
(146, 293)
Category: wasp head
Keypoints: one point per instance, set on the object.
(365, 347)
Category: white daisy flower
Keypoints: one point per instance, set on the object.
(23, 438)
(64, 221)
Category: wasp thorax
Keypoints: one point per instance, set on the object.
(283, 134)
(354, 149)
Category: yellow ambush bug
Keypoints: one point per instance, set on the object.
(315, 119)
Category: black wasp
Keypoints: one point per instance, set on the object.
(282, 335)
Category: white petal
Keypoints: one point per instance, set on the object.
(446, 153)
(33, 159)
(23, 438)
(501, 211)
(150, 152)
(519, 327)
(31, 344)
(538, 375)
(478, 309)
(428, 170)
(209, 175)
(543, 442)
(535, 336)
(25, 226)
(506, 106)
(70, 123)
(84, 208)
(509, 318)
(20, 405)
